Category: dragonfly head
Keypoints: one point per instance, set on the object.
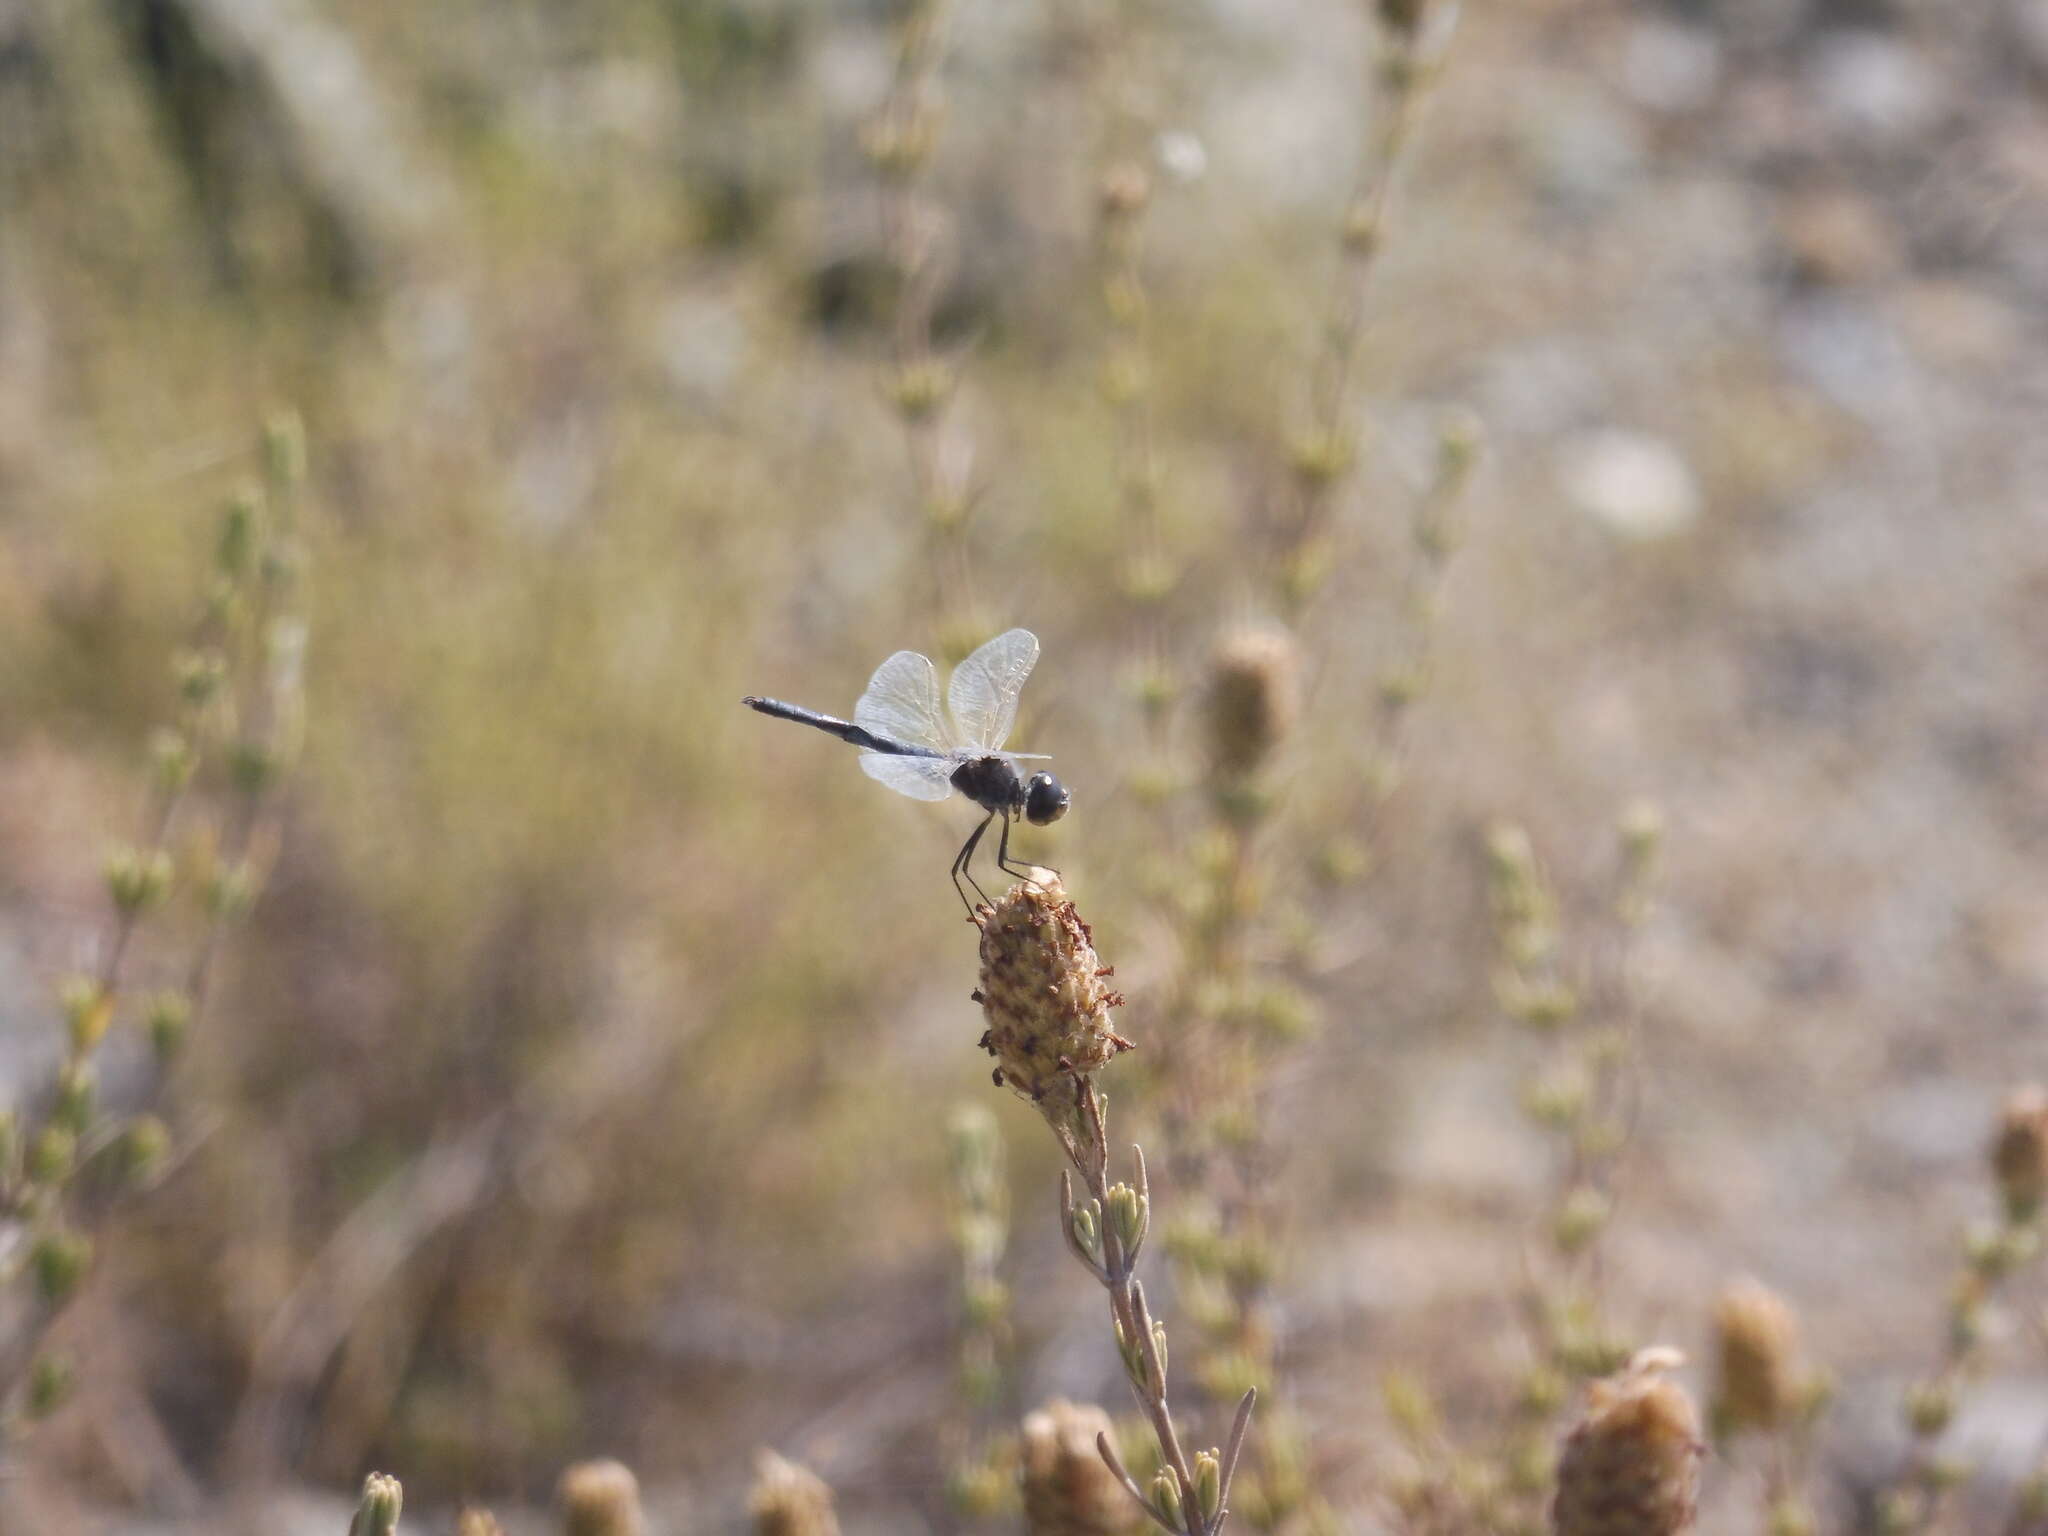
(1045, 800)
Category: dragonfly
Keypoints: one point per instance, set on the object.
(919, 748)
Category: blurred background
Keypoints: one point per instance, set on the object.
(580, 1082)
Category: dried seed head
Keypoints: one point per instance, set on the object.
(599, 1498)
(2019, 1153)
(1757, 1339)
(789, 1500)
(1045, 996)
(1254, 694)
(1631, 1466)
(1067, 1489)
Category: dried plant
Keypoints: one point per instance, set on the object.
(234, 733)
(1412, 36)
(1763, 1393)
(1044, 996)
(980, 1228)
(1630, 1467)
(900, 141)
(1067, 1486)
(599, 1498)
(1992, 1254)
(1579, 1011)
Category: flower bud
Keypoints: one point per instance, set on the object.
(377, 1514)
(169, 1016)
(143, 1148)
(1128, 1213)
(51, 1155)
(137, 880)
(88, 1010)
(1209, 1483)
(200, 676)
(1929, 1408)
(171, 760)
(59, 1261)
(1086, 1221)
(72, 1108)
(1166, 1495)
(1580, 1220)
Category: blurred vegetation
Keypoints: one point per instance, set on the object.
(581, 1083)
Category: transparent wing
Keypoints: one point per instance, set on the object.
(921, 778)
(902, 703)
(983, 693)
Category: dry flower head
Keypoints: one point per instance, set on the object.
(1068, 1491)
(2019, 1152)
(1757, 1340)
(599, 1498)
(1254, 696)
(1046, 996)
(1631, 1466)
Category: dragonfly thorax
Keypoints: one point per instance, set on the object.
(992, 783)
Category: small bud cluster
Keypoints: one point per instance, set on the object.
(377, 1513)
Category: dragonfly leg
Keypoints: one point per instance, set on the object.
(1022, 872)
(960, 862)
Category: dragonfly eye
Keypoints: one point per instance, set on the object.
(1045, 799)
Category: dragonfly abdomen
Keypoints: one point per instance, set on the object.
(845, 730)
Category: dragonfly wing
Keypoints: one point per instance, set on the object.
(921, 778)
(983, 693)
(902, 703)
